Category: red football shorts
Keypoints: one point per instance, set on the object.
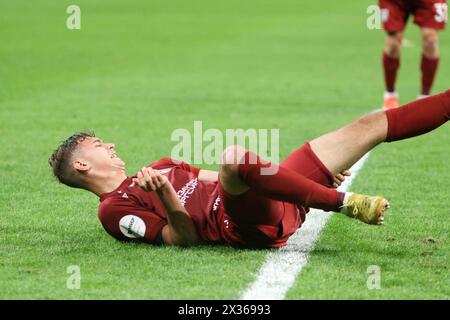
(427, 13)
(257, 221)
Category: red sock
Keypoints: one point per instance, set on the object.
(429, 68)
(391, 66)
(418, 117)
(287, 185)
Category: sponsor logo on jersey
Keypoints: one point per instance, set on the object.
(216, 203)
(132, 226)
(164, 171)
(188, 189)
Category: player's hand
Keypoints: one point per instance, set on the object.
(150, 180)
(339, 178)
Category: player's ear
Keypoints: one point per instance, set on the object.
(81, 166)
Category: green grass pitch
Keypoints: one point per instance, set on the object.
(137, 70)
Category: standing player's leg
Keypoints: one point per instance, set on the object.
(430, 59)
(391, 64)
(394, 16)
(431, 16)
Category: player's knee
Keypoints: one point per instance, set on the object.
(229, 170)
(430, 43)
(232, 155)
(394, 44)
(393, 49)
(231, 158)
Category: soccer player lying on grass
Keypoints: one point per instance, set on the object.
(173, 203)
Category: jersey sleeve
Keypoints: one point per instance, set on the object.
(128, 221)
(168, 162)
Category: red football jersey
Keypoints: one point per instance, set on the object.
(130, 213)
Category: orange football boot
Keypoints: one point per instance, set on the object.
(390, 102)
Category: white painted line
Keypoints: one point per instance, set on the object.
(282, 267)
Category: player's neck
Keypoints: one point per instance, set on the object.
(108, 183)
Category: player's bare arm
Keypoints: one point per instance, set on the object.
(180, 229)
(208, 175)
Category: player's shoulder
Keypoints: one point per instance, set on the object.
(117, 203)
(124, 218)
(108, 207)
(114, 218)
(113, 210)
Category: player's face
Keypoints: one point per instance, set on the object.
(100, 155)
